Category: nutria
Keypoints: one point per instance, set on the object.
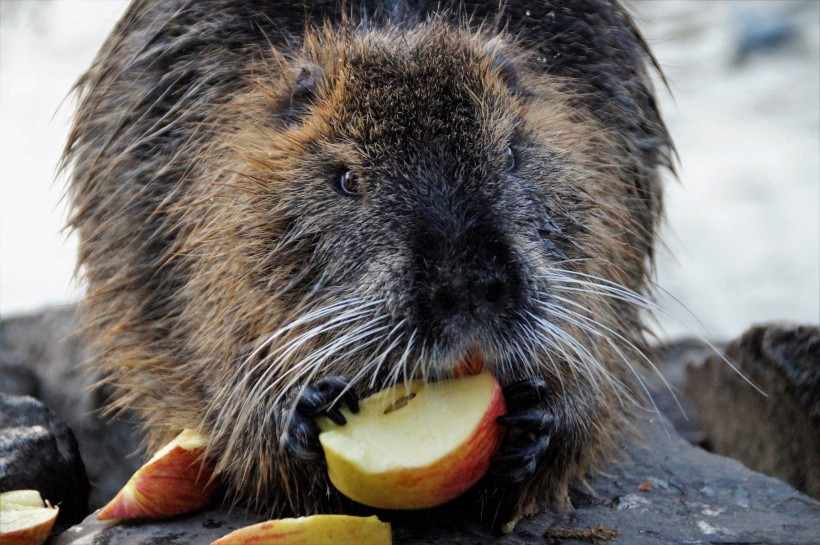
(281, 209)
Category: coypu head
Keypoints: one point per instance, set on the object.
(409, 197)
(390, 204)
(412, 200)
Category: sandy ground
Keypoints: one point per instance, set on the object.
(742, 240)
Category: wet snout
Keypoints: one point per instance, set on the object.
(465, 275)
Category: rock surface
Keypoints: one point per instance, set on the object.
(40, 357)
(784, 362)
(668, 492)
(39, 452)
(668, 386)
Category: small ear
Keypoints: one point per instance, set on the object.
(500, 61)
(304, 87)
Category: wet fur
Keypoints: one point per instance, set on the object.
(224, 273)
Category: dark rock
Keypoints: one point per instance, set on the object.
(195, 529)
(668, 385)
(689, 496)
(41, 356)
(778, 432)
(39, 452)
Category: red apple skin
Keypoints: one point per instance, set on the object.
(35, 535)
(175, 483)
(28, 536)
(436, 484)
(314, 530)
(20, 503)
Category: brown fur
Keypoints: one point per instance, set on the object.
(208, 234)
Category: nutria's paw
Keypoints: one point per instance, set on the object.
(322, 398)
(530, 425)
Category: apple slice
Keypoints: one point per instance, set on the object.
(416, 446)
(24, 518)
(315, 530)
(177, 479)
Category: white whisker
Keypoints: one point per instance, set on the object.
(284, 364)
(603, 287)
(377, 365)
(577, 320)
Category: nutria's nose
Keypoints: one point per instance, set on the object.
(479, 294)
(464, 282)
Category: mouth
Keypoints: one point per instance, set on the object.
(471, 364)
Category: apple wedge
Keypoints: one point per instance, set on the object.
(176, 480)
(416, 446)
(315, 530)
(24, 518)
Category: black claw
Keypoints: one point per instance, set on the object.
(336, 416)
(351, 400)
(322, 398)
(512, 457)
(532, 425)
(310, 401)
(517, 473)
(534, 420)
(519, 451)
(526, 393)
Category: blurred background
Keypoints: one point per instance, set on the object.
(741, 242)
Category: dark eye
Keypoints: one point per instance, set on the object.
(509, 159)
(348, 184)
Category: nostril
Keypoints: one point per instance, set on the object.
(495, 291)
(444, 301)
(468, 298)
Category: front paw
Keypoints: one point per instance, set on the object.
(321, 398)
(530, 429)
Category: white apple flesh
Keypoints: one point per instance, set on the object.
(416, 446)
(315, 530)
(24, 518)
(176, 480)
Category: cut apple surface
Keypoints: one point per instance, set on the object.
(24, 518)
(315, 530)
(177, 479)
(416, 446)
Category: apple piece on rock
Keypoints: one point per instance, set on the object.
(176, 480)
(24, 518)
(314, 530)
(416, 446)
